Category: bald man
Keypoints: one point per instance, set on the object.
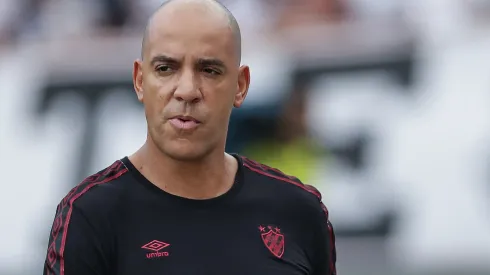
(181, 205)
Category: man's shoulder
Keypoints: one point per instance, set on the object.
(97, 191)
(281, 183)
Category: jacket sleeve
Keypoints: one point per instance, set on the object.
(332, 257)
(75, 245)
(324, 250)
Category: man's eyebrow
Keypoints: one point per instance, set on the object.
(163, 59)
(211, 62)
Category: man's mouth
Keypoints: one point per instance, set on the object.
(184, 122)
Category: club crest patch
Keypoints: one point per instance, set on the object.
(273, 239)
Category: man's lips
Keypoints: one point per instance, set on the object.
(184, 122)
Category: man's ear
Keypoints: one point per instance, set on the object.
(243, 84)
(138, 79)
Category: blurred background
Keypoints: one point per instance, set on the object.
(383, 105)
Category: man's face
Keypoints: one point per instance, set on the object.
(189, 81)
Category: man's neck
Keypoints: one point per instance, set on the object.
(209, 178)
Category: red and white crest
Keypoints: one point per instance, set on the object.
(273, 240)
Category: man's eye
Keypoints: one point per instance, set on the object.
(163, 68)
(211, 71)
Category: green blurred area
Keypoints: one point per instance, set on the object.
(298, 158)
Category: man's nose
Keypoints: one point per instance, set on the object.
(187, 88)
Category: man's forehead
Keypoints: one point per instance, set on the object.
(192, 22)
(189, 27)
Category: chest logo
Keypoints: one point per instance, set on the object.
(273, 239)
(156, 247)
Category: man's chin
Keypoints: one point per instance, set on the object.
(186, 152)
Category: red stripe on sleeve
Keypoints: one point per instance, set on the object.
(54, 263)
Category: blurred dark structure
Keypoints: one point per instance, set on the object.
(117, 13)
